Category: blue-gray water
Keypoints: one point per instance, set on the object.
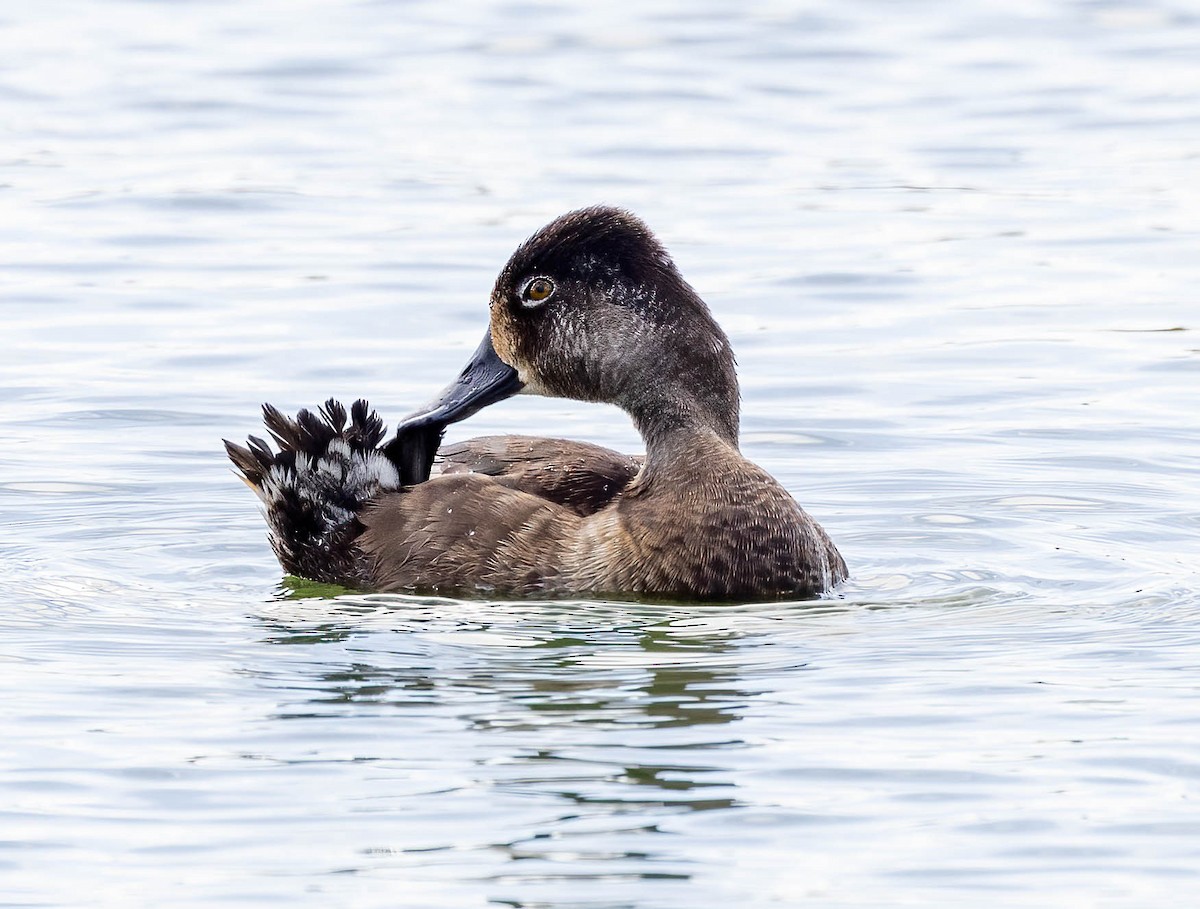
(957, 249)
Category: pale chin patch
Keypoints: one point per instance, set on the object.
(531, 386)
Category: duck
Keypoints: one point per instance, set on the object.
(591, 307)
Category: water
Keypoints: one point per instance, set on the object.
(955, 249)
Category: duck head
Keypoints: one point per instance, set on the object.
(591, 307)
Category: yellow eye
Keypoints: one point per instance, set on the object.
(538, 290)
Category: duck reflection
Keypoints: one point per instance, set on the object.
(622, 712)
(541, 747)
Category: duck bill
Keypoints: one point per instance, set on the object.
(485, 380)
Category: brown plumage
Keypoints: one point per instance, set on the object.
(591, 307)
(581, 476)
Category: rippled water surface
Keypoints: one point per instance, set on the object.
(957, 249)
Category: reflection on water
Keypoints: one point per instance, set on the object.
(954, 247)
(620, 715)
(596, 731)
(653, 674)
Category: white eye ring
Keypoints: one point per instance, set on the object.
(528, 300)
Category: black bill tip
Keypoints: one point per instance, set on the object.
(485, 380)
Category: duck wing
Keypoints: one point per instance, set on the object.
(577, 475)
(465, 532)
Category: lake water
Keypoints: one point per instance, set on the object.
(956, 249)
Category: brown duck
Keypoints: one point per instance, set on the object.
(590, 307)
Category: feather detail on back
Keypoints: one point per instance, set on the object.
(578, 475)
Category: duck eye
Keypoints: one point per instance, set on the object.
(538, 290)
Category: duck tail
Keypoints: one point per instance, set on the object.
(314, 487)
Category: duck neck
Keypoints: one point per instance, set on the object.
(679, 435)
